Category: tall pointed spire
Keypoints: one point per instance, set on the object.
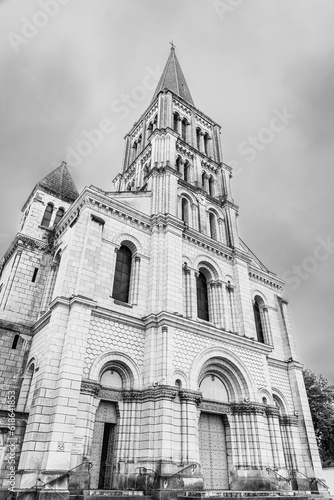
(173, 78)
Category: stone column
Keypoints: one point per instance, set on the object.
(188, 302)
(220, 305)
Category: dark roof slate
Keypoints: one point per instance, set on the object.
(59, 182)
(173, 79)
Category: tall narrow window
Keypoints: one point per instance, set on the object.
(47, 215)
(185, 210)
(178, 164)
(213, 225)
(203, 180)
(198, 138)
(184, 129)
(186, 171)
(202, 297)
(211, 186)
(206, 144)
(15, 341)
(140, 138)
(258, 321)
(155, 122)
(175, 122)
(149, 129)
(122, 274)
(134, 150)
(59, 215)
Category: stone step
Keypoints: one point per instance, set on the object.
(216, 494)
(112, 495)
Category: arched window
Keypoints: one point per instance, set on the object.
(122, 274)
(185, 210)
(176, 121)
(47, 215)
(186, 171)
(206, 143)
(213, 225)
(198, 138)
(59, 215)
(202, 297)
(258, 320)
(184, 129)
(155, 122)
(211, 186)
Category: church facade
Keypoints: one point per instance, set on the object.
(144, 347)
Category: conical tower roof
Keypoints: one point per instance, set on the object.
(59, 182)
(172, 78)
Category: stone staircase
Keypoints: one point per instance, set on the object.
(251, 495)
(202, 495)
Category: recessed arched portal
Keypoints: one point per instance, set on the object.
(222, 379)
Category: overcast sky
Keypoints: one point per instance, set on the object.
(263, 69)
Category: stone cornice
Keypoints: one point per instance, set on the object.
(207, 243)
(179, 99)
(154, 393)
(204, 329)
(215, 407)
(288, 420)
(102, 312)
(191, 396)
(104, 203)
(90, 387)
(272, 411)
(15, 327)
(42, 322)
(264, 278)
(21, 242)
(277, 363)
(248, 408)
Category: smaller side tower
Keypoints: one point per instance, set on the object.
(24, 276)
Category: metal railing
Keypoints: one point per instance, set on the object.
(279, 475)
(38, 490)
(310, 479)
(165, 476)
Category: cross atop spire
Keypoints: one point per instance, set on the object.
(173, 79)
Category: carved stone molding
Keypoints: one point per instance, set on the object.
(191, 396)
(90, 387)
(154, 393)
(272, 411)
(215, 407)
(288, 420)
(248, 408)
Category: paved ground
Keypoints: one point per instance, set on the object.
(329, 477)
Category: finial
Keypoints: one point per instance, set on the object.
(172, 44)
